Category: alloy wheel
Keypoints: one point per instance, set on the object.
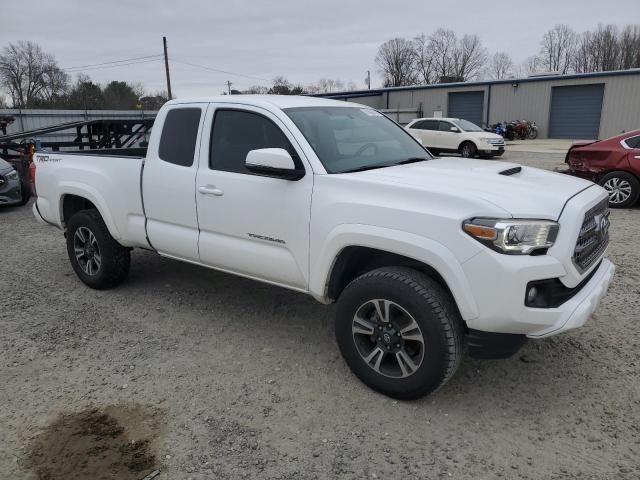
(87, 251)
(388, 338)
(619, 190)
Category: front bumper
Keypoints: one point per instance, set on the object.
(500, 286)
(498, 283)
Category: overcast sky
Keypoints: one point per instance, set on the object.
(302, 40)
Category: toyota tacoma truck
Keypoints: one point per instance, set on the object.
(425, 257)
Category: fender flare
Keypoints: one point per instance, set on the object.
(421, 249)
(94, 196)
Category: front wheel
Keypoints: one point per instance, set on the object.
(468, 150)
(399, 332)
(98, 260)
(622, 187)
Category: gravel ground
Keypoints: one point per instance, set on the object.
(204, 375)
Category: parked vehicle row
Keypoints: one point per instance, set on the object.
(456, 135)
(613, 163)
(516, 129)
(426, 257)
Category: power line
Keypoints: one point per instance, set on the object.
(113, 61)
(116, 65)
(220, 71)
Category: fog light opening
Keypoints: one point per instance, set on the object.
(532, 295)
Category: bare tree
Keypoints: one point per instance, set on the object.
(529, 66)
(328, 85)
(29, 74)
(424, 60)
(396, 62)
(443, 44)
(500, 66)
(629, 44)
(456, 59)
(256, 90)
(557, 49)
(469, 57)
(352, 86)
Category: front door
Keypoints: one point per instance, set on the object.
(249, 224)
(448, 139)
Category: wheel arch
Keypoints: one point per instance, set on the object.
(73, 199)
(351, 255)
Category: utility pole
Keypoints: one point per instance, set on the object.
(229, 86)
(166, 67)
(369, 79)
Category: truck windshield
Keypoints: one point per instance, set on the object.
(350, 139)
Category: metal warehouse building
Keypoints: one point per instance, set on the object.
(578, 106)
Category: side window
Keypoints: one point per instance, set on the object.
(431, 125)
(445, 126)
(179, 134)
(236, 132)
(633, 142)
(420, 125)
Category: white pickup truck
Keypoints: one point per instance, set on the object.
(425, 257)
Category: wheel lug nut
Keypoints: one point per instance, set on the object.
(397, 345)
(379, 339)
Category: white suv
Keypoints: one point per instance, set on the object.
(456, 135)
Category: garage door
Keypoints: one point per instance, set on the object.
(575, 111)
(467, 105)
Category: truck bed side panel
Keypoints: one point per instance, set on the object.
(111, 183)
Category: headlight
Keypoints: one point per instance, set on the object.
(12, 175)
(487, 139)
(512, 236)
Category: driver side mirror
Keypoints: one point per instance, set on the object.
(273, 162)
(454, 129)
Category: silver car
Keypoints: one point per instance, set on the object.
(10, 189)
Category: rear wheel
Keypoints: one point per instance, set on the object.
(622, 187)
(98, 260)
(399, 332)
(468, 150)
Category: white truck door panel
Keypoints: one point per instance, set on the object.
(249, 224)
(168, 182)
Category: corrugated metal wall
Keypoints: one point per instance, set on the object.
(26, 120)
(529, 100)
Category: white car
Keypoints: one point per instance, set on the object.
(456, 135)
(425, 257)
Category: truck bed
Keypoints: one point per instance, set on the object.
(105, 179)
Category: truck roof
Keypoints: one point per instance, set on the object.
(279, 101)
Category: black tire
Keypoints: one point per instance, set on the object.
(114, 258)
(428, 304)
(468, 149)
(628, 189)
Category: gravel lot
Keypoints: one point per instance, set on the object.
(200, 375)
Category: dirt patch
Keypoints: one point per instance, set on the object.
(117, 442)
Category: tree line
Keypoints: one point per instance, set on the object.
(444, 57)
(33, 79)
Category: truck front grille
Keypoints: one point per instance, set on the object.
(593, 237)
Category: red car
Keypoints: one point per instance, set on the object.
(613, 163)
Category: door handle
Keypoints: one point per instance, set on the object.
(637, 156)
(210, 190)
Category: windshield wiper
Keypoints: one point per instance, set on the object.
(389, 164)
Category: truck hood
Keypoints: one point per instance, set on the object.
(524, 192)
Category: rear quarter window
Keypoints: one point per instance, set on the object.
(179, 134)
